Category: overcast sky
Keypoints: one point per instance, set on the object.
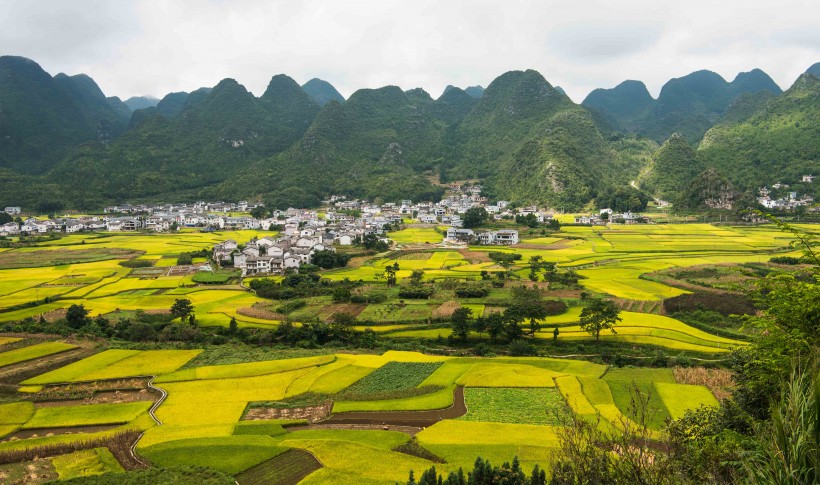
(143, 47)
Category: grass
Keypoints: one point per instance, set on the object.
(96, 461)
(228, 454)
(393, 376)
(33, 352)
(515, 406)
(625, 381)
(87, 415)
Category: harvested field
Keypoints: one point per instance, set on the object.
(719, 381)
(327, 312)
(475, 256)
(289, 468)
(259, 312)
(446, 309)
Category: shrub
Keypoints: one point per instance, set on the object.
(416, 292)
(290, 306)
(785, 260)
(471, 291)
(499, 256)
(555, 307)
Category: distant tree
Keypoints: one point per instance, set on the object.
(185, 258)
(233, 326)
(182, 308)
(416, 276)
(372, 242)
(599, 314)
(259, 212)
(390, 274)
(460, 321)
(474, 217)
(192, 319)
(554, 225)
(5, 218)
(76, 316)
(555, 333)
(495, 325)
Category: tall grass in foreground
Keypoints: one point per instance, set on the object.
(790, 453)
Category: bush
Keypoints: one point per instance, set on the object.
(416, 292)
(290, 306)
(522, 348)
(723, 303)
(471, 291)
(499, 256)
(555, 307)
(785, 260)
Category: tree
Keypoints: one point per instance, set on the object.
(5, 218)
(460, 321)
(599, 314)
(181, 308)
(390, 273)
(233, 326)
(76, 316)
(555, 333)
(474, 217)
(416, 276)
(259, 212)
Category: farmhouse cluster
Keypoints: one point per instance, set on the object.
(780, 197)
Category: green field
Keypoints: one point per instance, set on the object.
(92, 414)
(514, 406)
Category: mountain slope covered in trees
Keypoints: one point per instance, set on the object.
(65, 144)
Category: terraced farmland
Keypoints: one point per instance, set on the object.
(202, 426)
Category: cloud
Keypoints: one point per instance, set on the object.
(135, 47)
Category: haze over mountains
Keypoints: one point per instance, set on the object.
(64, 143)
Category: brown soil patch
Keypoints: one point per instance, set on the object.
(474, 257)
(446, 309)
(54, 315)
(311, 413)
(719, 381)
(490, 310)
(416, 419)
(352, 308)
(104, 397)
(259, 312)
(97, 386)
(39, 433)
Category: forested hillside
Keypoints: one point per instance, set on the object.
(65, 144)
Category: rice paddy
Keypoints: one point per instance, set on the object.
(515, 406)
